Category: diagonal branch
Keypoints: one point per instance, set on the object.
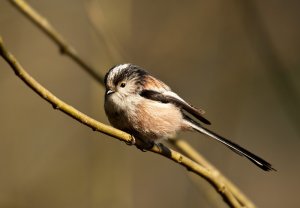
(188, 150)
(51, 32)
(57, 103)
(108, 130)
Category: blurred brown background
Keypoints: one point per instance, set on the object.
(239, 60)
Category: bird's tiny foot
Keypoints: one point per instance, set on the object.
(144, 146)
(162, 149)
(160, 146)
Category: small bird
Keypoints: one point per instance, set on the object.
(145, 107)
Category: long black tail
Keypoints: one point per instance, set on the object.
(235, 147)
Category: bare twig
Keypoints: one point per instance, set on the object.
(50, 31)
(122, 136)
(57, 103)
(188, 150)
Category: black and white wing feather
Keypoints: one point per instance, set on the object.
(171, 97)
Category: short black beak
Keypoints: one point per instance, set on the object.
(108, 92)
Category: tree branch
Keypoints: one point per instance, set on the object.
(188, 150)
(50, 31)
(108, 130)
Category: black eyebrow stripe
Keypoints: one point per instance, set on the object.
(120, 76)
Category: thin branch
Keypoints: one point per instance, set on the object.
(188, 150)
(122, 136)
(50, 31)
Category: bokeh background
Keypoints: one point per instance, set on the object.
(239, 60)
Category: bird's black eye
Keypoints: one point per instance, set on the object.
(123, 84)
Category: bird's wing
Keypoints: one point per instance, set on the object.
(171, 97)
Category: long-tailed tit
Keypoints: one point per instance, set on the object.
(141, 105)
